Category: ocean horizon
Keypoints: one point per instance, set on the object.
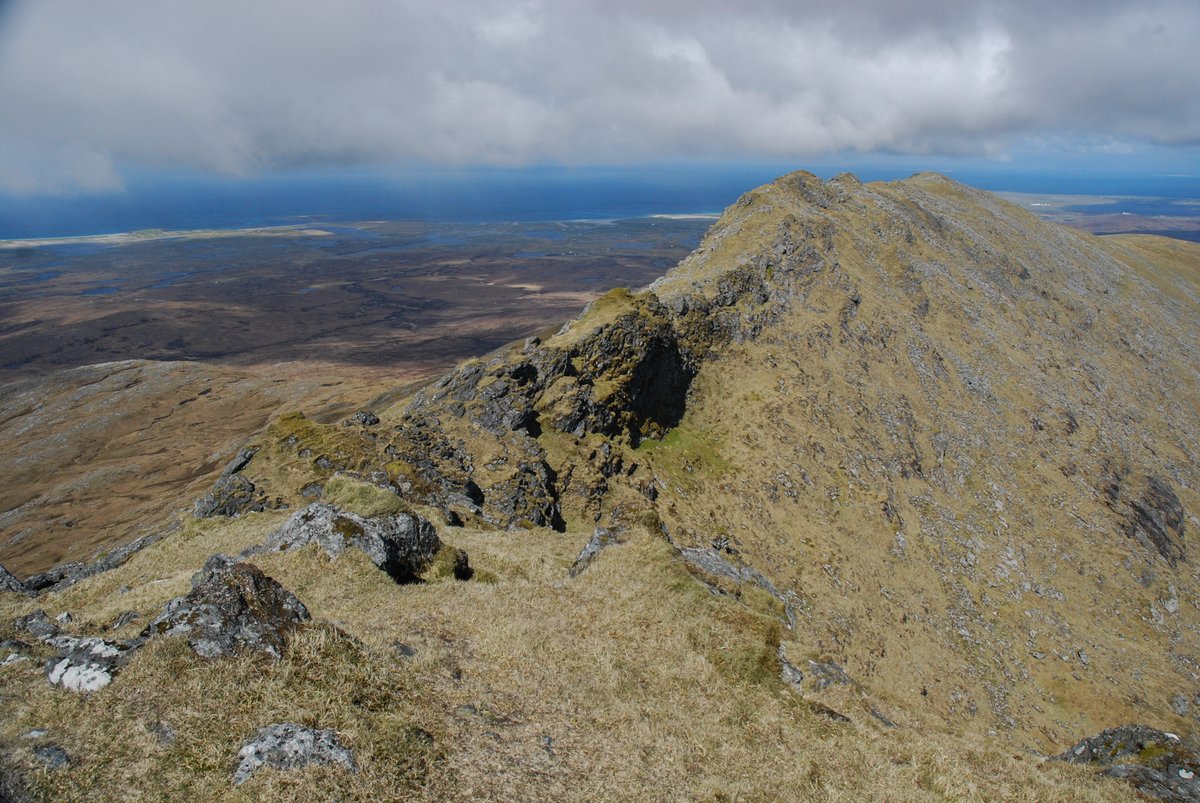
(492, 196)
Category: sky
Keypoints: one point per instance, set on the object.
(96, 92)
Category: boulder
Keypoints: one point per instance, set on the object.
(84, 664)
(288, 746)
(402, 545)
(1155, 762)
(232, 607)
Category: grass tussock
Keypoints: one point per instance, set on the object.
(364, 498)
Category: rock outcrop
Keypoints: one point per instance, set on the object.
(1155, 762)
(402, 545)
(68, 574)
(232, 607)
(1152, 513)
(233, 494)
(287, 746)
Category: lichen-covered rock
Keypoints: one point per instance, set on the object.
(1155, 762)
(287, 746)
(601, 538)
(84, 664)
(402, 545)
(10, 583)
(232, 607)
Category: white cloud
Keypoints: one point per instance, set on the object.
(237, 88)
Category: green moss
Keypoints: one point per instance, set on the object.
(363, 498)
(1151, 752)
(450, 563)
(684, 455)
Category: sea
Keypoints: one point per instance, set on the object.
(181, 202)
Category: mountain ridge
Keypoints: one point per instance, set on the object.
(889, 471)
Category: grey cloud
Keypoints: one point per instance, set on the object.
(233, 87)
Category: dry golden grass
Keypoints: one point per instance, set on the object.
(631, 681)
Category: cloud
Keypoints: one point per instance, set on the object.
(237, 88)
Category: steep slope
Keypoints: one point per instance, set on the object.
(960, 442)
(896, 484)
(967, 445)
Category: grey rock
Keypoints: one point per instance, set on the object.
(1180, 704)
(239, 462)
(527, 498)
(53, 756)
(711, 562)
(287, 746)
(85, 664)
(8, 582)
(364, 418)
(788, 671)
(402, 545)
(36, 624)
(824, 674)
(601, 538)
(1156, 763)
(231, 495)
(36, 733)
(163, 731)
(127, 617)
(13, 651)
(232, 607)
(51, 578)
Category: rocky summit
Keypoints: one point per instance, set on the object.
(886, 491)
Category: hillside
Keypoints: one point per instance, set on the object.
(887, 491)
